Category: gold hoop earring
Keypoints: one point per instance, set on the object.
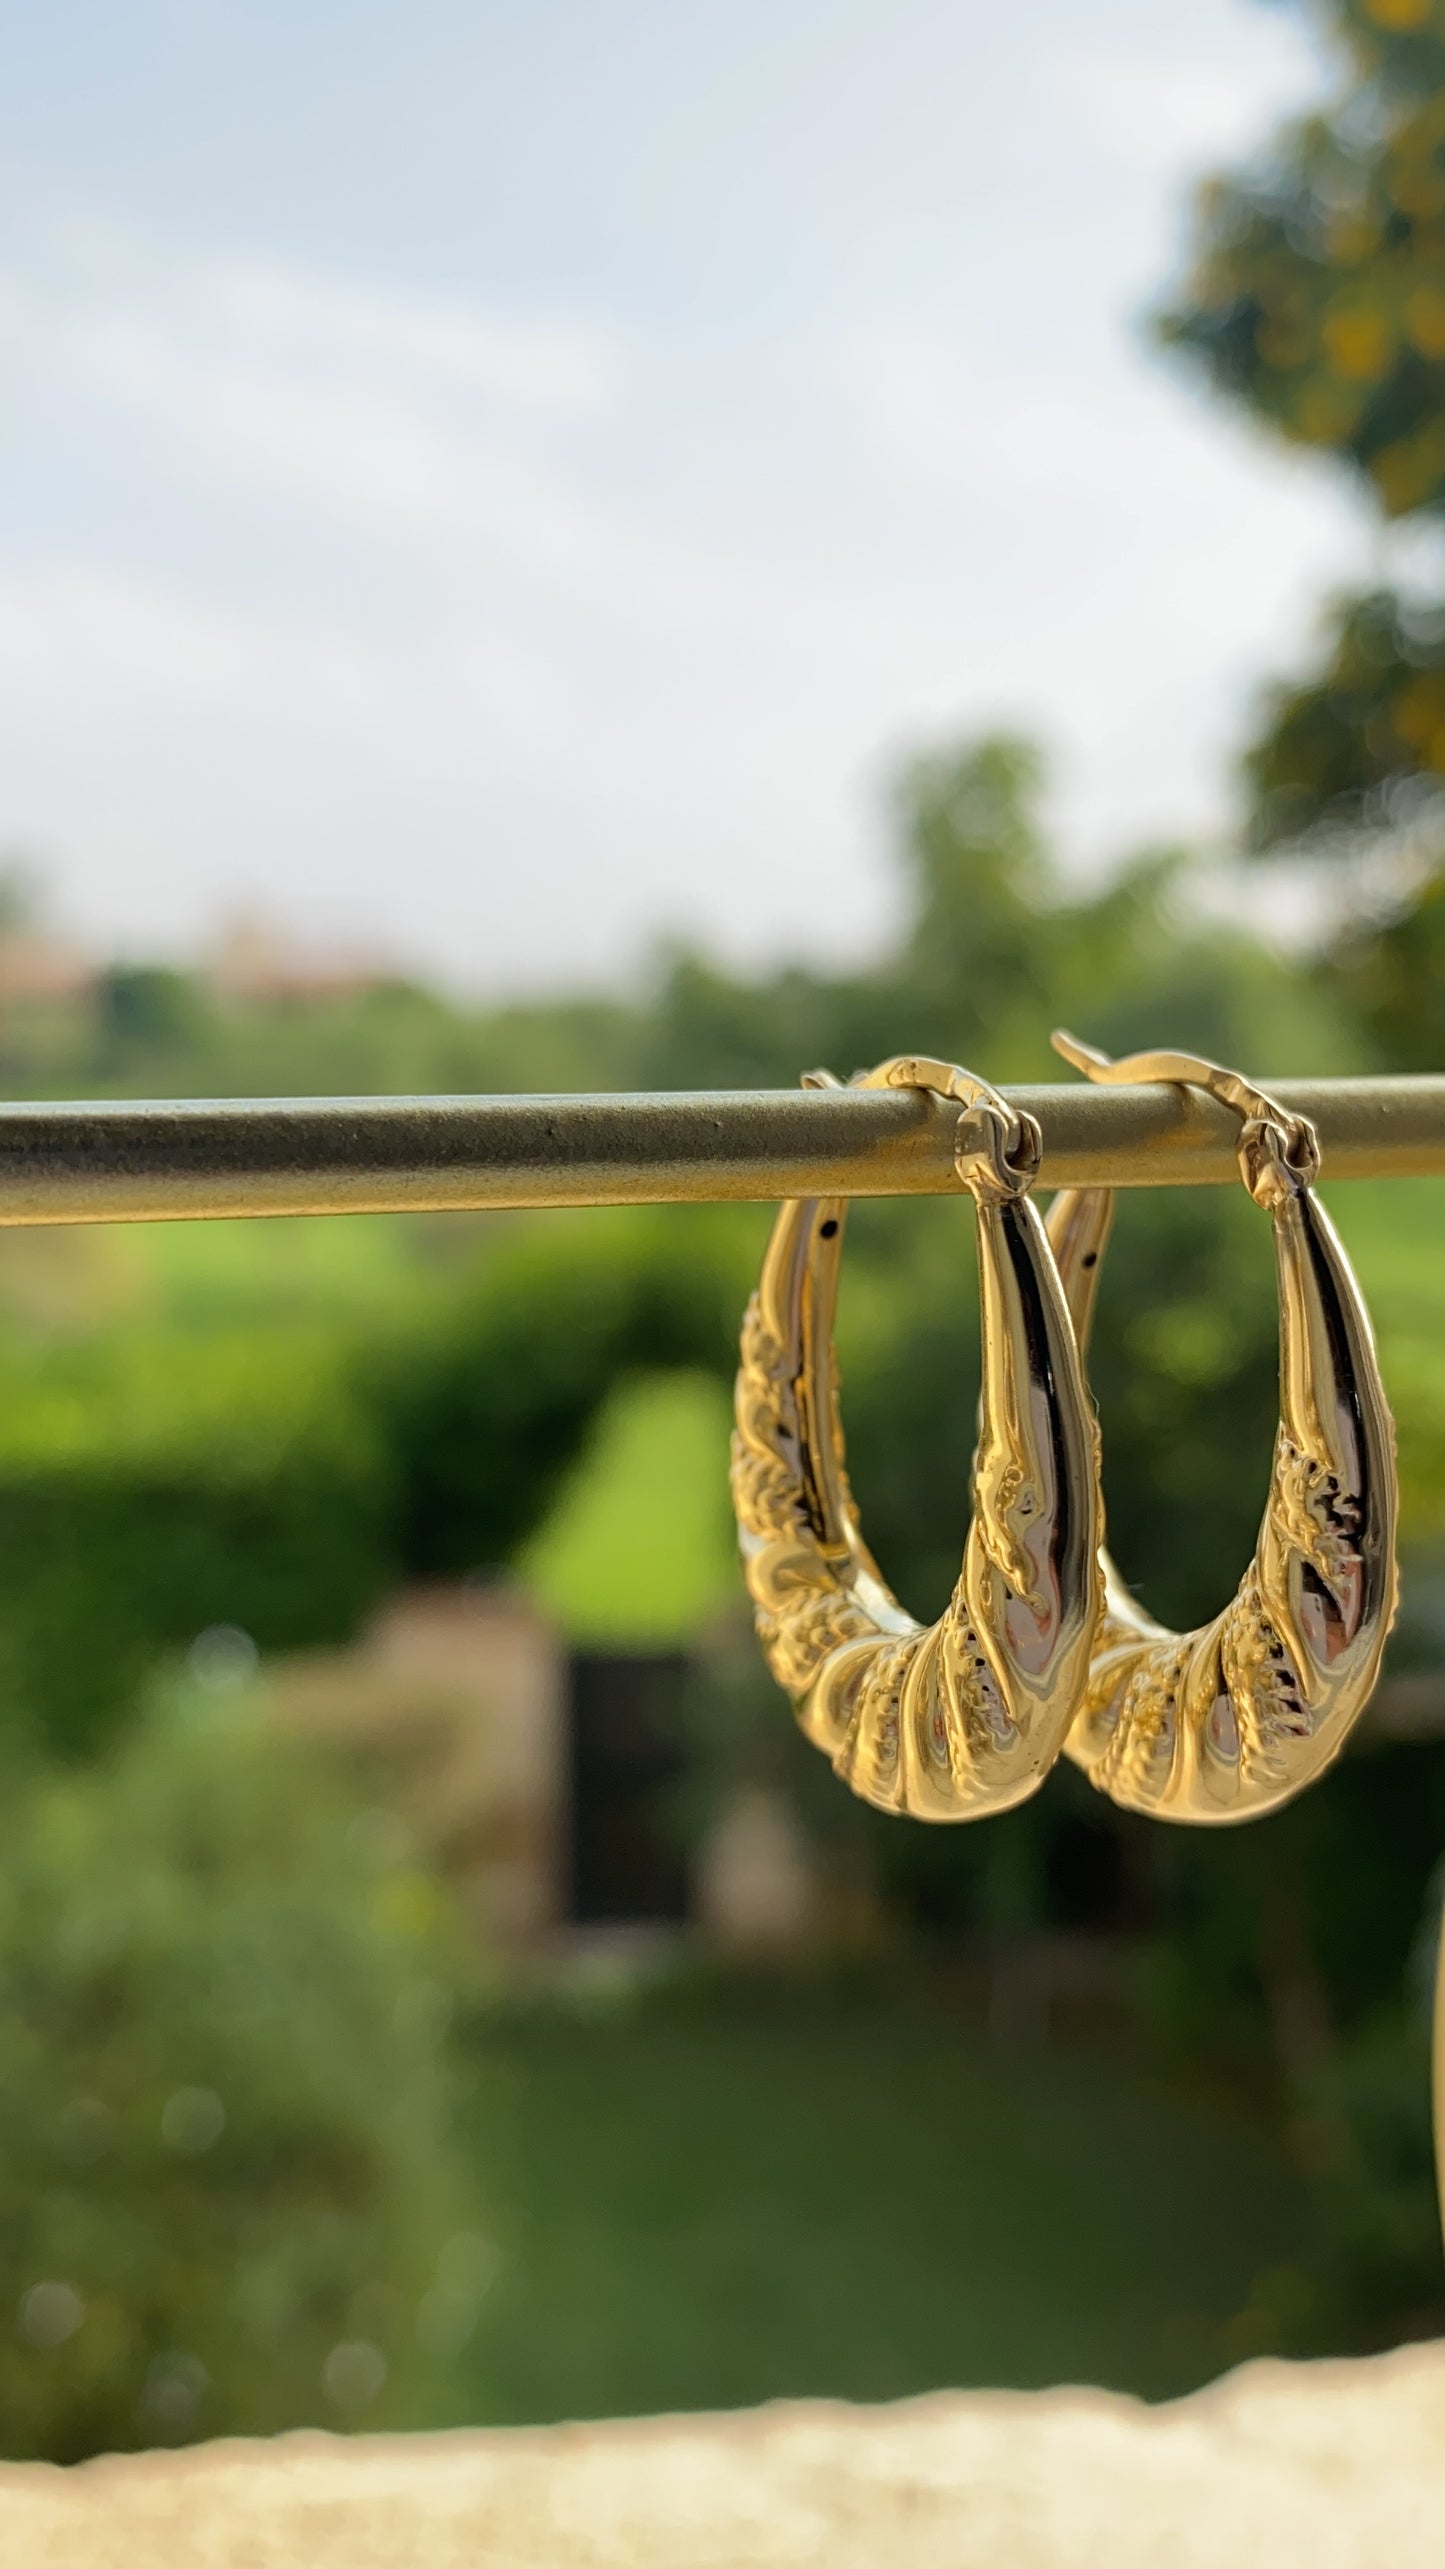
(1229, 1721)
(967, 1715)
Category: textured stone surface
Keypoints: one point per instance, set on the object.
(1338, 2466)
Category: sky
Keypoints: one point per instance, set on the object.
(506, 486)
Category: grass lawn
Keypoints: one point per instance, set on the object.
(641, 1549)
(707, 2205)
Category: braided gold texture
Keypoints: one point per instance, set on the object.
(965, 1716)
(1232, 1720)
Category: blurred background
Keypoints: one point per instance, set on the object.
(613, 548)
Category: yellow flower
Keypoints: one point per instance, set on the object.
(1410, 471)
(1420, 713)
(1399, 15)
(1425, 320)
(1359, 343)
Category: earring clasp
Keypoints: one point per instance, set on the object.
(1279, 1153)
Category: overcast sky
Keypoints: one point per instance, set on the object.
(506, 482)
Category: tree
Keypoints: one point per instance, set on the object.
(1316, 301)
(1317, 294)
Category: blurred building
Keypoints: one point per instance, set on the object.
(258, 963)
(35, 967)
(548, 1784)
(453, 1707)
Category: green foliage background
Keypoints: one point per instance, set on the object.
(270, 1425)
(270, 1428)
(225, 2102)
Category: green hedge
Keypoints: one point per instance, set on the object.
(149, 1489)
(281, 1478)
(487, 1396)
(230, 2196)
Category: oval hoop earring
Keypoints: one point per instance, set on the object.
(967, 1715)
(1233, 1719)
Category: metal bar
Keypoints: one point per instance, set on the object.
(198, 1160)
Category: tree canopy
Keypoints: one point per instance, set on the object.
(1315, 300)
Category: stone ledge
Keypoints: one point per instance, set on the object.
(1300, 2466)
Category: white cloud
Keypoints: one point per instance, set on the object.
(1153, 104)
(570, 368)
(517, 629)
(344, 401)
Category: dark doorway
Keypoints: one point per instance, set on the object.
(627, 1763)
